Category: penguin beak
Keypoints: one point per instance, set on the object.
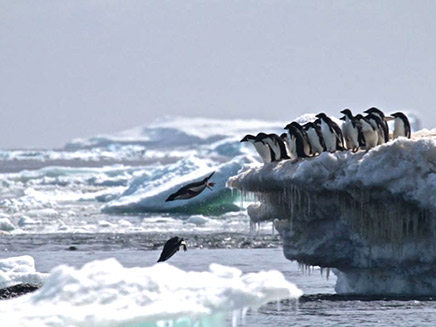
(342, 118)
(185, 246)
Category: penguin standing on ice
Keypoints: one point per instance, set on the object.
(171, 247)
(379, 126)
(261, 138)
(297, 141)
(331, 133)
(401, 125)
(191, 190)
(289, 144)
(377, 112)
(350, 130)
(278, 147)
(315, 138)
(369, 133)
(262, 149)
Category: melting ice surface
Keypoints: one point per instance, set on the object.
(104, 293)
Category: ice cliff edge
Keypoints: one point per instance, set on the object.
(370, 215)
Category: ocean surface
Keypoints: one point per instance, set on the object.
(103, 197)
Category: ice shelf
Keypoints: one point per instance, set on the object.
(368, 215)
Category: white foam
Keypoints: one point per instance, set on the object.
(19, 270)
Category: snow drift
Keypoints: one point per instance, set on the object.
(104, 293)
(368, 215)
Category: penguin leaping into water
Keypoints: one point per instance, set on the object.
(191, 190)
(401, 125)
(171, 247)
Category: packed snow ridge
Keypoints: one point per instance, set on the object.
(370, 215)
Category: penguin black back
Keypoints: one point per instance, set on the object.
(171, 247)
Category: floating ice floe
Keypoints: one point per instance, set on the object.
(104, 293)
(19, 270)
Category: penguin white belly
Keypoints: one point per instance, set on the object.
(399, 129)
(275, 148)
(263, 151)
(289, 148)
(198, 188)
(329, 137)
(314, 141)
(370, 135)
(350, 135)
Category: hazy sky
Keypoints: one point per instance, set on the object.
(79, 68)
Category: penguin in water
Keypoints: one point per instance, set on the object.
(401, 125)
(262, 149)
(314, 135)
(192, 189)
(277, 145)
(377, 112)
(297, 140)
(331, 133)
(369, 133)
(350, 130)
(171, 247)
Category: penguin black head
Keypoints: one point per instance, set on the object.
(347, 112)
(284, 136)
(308, 125)
(321, 115)
(260, 137)
(374, 110)
(342, 118)
(248, 137)
(399, 115)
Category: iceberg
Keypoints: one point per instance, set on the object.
(370, 216)
(104, 293)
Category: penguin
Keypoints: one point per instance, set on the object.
(350, 130)
(278, 147)
(289, 144)
(171, 247)
(379, 125)
(401, 125)
(369, 133)
(331, 133)
(262, 149)
(315, 138)
(306, 144)
(191, 190)
(379, 113)
(297, 141)
(261, 138)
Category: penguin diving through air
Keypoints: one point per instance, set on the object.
(191, 190)
(171, 247)
(401, 125)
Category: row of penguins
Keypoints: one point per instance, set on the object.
(323, 134)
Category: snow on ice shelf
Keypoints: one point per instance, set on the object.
(104, 293)
(369, 215)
